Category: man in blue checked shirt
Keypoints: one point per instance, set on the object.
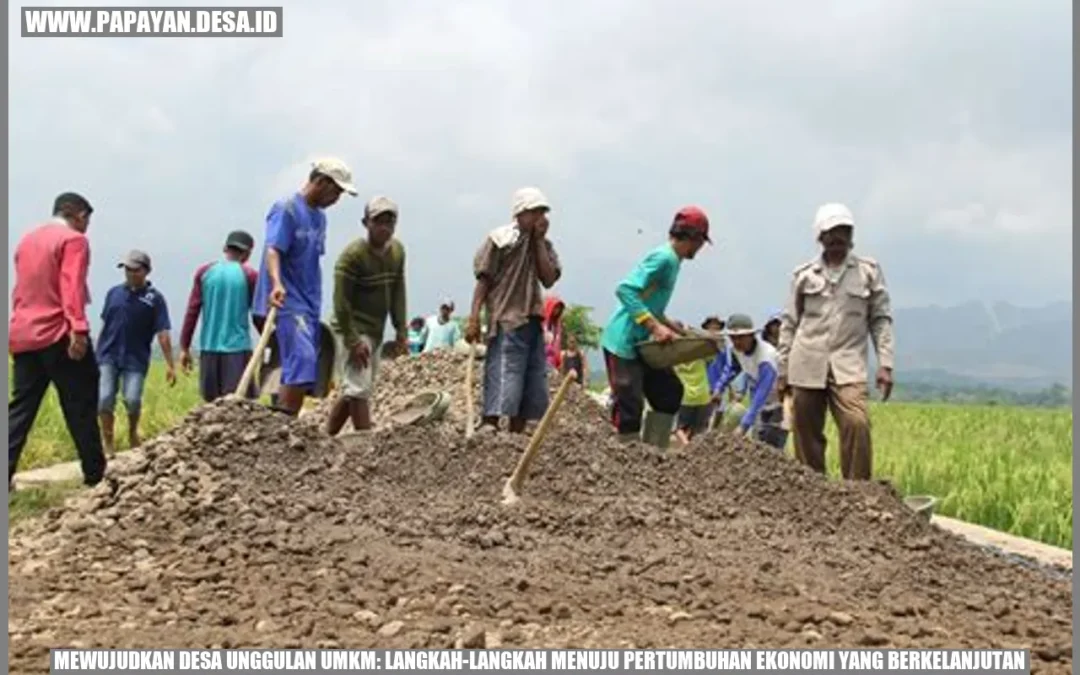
(756, 359)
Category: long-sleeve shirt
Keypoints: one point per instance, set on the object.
(368, 286)
(759, 368)
(828, 321)
(221, 293)
(50, 295)
(715, 370)
(642, 295)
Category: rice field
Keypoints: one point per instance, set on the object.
(1002, 467)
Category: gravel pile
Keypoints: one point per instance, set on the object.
(242, 528)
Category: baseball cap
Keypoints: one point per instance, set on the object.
(447, 303)
(337, 171)
(527, 199)
(135, 258)
(377, 206)
(240, 240)
(692, 219)
(832, 215)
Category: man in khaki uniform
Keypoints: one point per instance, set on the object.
(836, 302)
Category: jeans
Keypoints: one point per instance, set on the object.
(515, 373)
(111, 379)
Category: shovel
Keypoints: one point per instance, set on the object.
(256, 356)
(513, 484)
(470, 404)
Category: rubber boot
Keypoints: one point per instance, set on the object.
(657, 429)
(629, 437)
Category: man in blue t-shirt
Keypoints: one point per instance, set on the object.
(290, 277)
(134, 312)
(643, 299)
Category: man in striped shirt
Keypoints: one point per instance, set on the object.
(221, 295)
(369, 285)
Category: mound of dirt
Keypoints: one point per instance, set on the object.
(242, 528)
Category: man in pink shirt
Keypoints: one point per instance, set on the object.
(49, 335)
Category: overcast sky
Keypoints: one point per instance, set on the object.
(946, 125)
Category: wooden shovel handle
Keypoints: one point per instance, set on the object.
(470, 404)
(256, 356)
(541, 431)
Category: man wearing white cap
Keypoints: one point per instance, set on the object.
(510, 267)
(442, 332)
(290, 277)
(369, 286)
(837, 302)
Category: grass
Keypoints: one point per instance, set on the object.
(1005, 468)
(162, 407)
(29, 502)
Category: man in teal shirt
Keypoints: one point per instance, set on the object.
(643, 299)
(442, 331)
(221, 296)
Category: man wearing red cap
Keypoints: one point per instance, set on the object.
(643, 299)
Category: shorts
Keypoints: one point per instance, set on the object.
(695, 418)
(515, 373)
(298, 343)
(132, 389)
(357, 383)
(220, 373)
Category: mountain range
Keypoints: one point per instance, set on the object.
(977, 345)
(999, 344)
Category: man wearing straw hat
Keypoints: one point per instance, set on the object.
(837, 303)
(755, 358)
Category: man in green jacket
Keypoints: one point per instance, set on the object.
(369, 284)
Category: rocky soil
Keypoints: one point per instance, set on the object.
(241, 528)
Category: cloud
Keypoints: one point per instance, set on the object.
(945, 126)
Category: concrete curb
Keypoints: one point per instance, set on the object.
(1029, 548)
